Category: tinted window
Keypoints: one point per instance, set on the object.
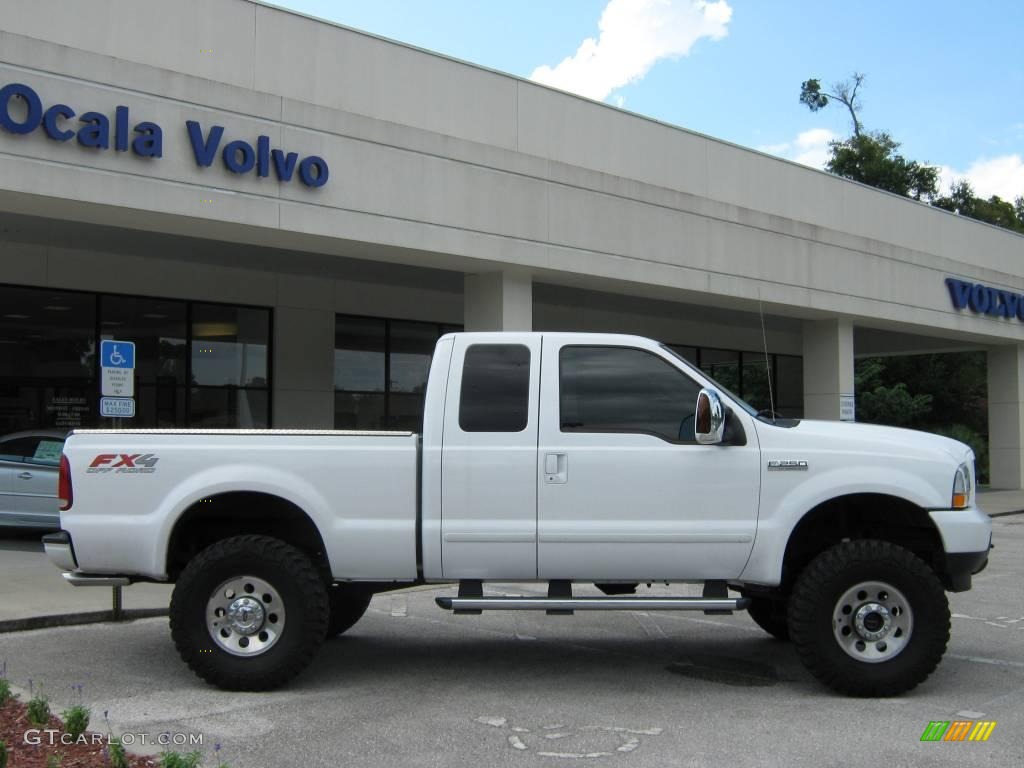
(158, 328)
(495, 388)
(229, 346)
(359, 347)
(615, 389)
(46, 336)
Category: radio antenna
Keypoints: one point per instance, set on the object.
(767, 363)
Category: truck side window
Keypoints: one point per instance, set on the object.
(621, 389)
(495, 388)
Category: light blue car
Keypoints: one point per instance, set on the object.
(29, 463)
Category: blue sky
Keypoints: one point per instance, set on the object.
(944, 78)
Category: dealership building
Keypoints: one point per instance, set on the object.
(283, 215)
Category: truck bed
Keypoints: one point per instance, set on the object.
(358, 487)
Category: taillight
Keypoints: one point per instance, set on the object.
(64, 494)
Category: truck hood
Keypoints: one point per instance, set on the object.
(887, 440)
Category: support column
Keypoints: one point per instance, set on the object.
(498, 301)
(828, 369)
(304, 354)
(1006, 416)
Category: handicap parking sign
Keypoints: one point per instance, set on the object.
(117, 354)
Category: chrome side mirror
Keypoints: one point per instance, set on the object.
(710, 418)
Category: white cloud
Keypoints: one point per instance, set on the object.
(809, 147)
(1003, 176)
(634, 34)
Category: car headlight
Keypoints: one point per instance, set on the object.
(961, 487)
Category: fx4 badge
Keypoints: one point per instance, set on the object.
(782, 465)
(131, 463)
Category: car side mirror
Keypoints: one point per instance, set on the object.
(710, 418)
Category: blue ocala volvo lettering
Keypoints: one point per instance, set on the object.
(22, 111)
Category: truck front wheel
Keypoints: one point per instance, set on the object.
(248, 613)
(869, 618)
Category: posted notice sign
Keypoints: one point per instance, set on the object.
(117, 367)
(117, 407)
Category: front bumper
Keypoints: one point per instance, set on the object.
(966, 538)
(960, 566)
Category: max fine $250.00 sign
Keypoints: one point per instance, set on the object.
(22, 112)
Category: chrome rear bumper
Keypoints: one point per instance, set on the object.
(60, 550)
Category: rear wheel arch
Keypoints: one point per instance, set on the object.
(237, 513)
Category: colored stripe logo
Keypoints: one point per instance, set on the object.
(958, 730)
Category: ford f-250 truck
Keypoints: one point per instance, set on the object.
(545, 457)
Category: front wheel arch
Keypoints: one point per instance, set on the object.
(857, 517)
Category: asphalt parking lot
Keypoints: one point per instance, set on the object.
(412, 685)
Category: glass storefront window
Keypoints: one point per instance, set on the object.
(380, 371)
(411, 348)
(46, 335)
(49, 376)
(358, 410)
(159, 329)
(359, 354)
(229, 345)
(755, 373)
(229, 408)
(723, 366)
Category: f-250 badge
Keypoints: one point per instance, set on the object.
(792, 465)
(131, 463)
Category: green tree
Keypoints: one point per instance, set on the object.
(949, 396)
(844, 92)
(962, 201)
(882, 402)
(872, 159)
(869, 157)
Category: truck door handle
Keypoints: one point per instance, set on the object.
(25, 476)
(556, 468)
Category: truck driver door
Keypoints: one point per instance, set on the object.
(625, 491)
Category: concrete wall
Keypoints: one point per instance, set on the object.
(448, 165)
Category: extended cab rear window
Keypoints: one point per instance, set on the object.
(495, 388)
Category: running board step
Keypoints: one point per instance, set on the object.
(502, 603)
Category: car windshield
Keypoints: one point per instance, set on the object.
(731, 395)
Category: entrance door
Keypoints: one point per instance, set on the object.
(625, 491)
(489, 458)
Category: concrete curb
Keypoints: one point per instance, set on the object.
(74, 619)
(1004, 514)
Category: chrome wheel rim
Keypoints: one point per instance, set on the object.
(245, 616)
(872, 621)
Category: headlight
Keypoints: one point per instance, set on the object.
(961, 487)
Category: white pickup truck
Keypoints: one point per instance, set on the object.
(545, 457)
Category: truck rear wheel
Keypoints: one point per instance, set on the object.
(248, 613)
(347, 607)
(869, 618)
